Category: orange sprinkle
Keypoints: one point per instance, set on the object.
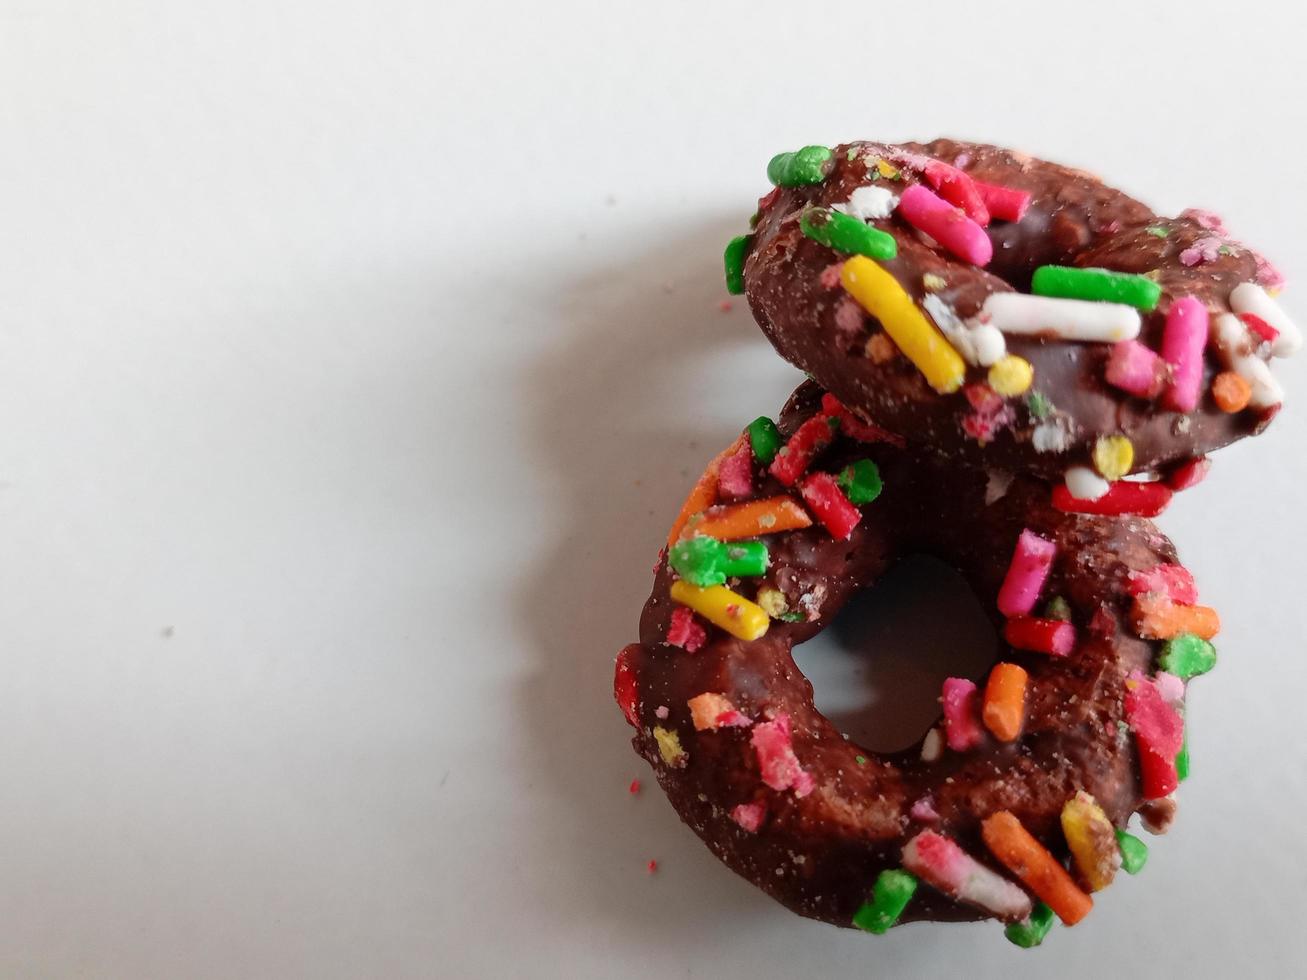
(748, 520)
(1155, 617)
(881, 349)
(1231, 392)
(1026, 858)
(1005, 701)
(704, 493)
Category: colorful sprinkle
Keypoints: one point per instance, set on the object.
(1250, 298)
(1124, 497)
(869, 203)
(1159, 736)
(684, 632)
(823, 495)
(1011, 376)
(1235, 348)
(1173, 581)
(1004, 708)
(705, 561)
(625, 692)
(1026, 573)
(794, 458)
(764, 439)
(749, 816)
(1113, 456)
(1187, 655)
(961, 729)
(1051, 636)
(736, 250)
(1136, 369)
(942, 864)
(1026, 858)
(1003, 203)
(1189, 474)
(735, 474)
(949, 226)
(846, 234)
(770, 515)
(772, 601)
(703, 495)
(1183, 339)
(1031, 932)
(669, 747)
(651, 867)
(1134, 852)
(720, 606)
(709, 712)
(1182, 759)
(890, 896)
(634, 787)
(957, 187)
(932, 746)
(1064, 319)
(802, 167)
(1156, 617)
(978, 343)
(780, 767)
(854, 427)
(880, 294)
(1231, 392)
(1057, 608)
(1083, 483)
(1092, 841)
(860, 482)
(1097, 285)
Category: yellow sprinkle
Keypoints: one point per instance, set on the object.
(1113, 456)
(1091, 840)
(880, 294)
(772, 601)
(933, 282)
(669, 747)
(1011, 376)
(722, 607)
(887, 170)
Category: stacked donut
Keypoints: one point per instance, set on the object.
(1013, 367)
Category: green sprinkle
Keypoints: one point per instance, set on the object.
(1187, 655)
(1096, 284)
(890, 896)
(1134, 852)
(847, 234)
(705, 561)
(793, 617)
(1038, 405)
(852, 154)
(860, 760)
(735, 251)
(1031, 932)
(805, 166)
(1157, 231)
(764, 439)
(1225, 250)
(860, 482)
(1182, 759)
(1058, 608)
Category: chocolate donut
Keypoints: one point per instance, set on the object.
(1110, 372)
(1077, 727)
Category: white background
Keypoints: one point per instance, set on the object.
(353, 360)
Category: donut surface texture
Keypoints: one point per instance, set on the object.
(728, 723)
(794, 275)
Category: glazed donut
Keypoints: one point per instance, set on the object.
(919, 314)
(1037, 771)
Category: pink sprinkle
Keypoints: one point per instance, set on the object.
(1159, 734)
(661, 712)
(1031, 561)
(710, 711)
(780, 766)
(1268, 275)
(1206, 249)
(735, 473)
(1206, 220)
(1136, 369)
(726, 306)
(1189, 474)
(946, 224)
(924, 810)
(750, 816)
(1260, 327)
(651, 867)
(634, 787)
(848, 316)
(1004, 203)
(1183, 340)
(961, 729)
(1170, 687)
(1173, 581)
(684, 632)
(958, 189)
(941, 863)
(983, 398)
(961, 160)
(830, 276)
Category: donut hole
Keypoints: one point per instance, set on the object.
(877, 668)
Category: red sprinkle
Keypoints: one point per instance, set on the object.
(634, 787)
(651, 867)
(735, 473)
(856, 428)
(1159, 735)
(684, 632)
(624, 689)
(726, 306)
(1260, 327)
(796, 455)
(1173, 581)
(957, 187)
(1052, 636)
(824, 497)
(1004, 203)
(780, 767)
(1189, 474)
(1124, 497)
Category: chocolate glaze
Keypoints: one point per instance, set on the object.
(1074, 219)
(819, 855)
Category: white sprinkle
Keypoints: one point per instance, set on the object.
(869, 203)
(1066, 319)
(933, 747)
(996, 486)
(1084, 484)
(977, 342)
(1235, 348)
(1053, 435)
(661, 711)
(1248, 297)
